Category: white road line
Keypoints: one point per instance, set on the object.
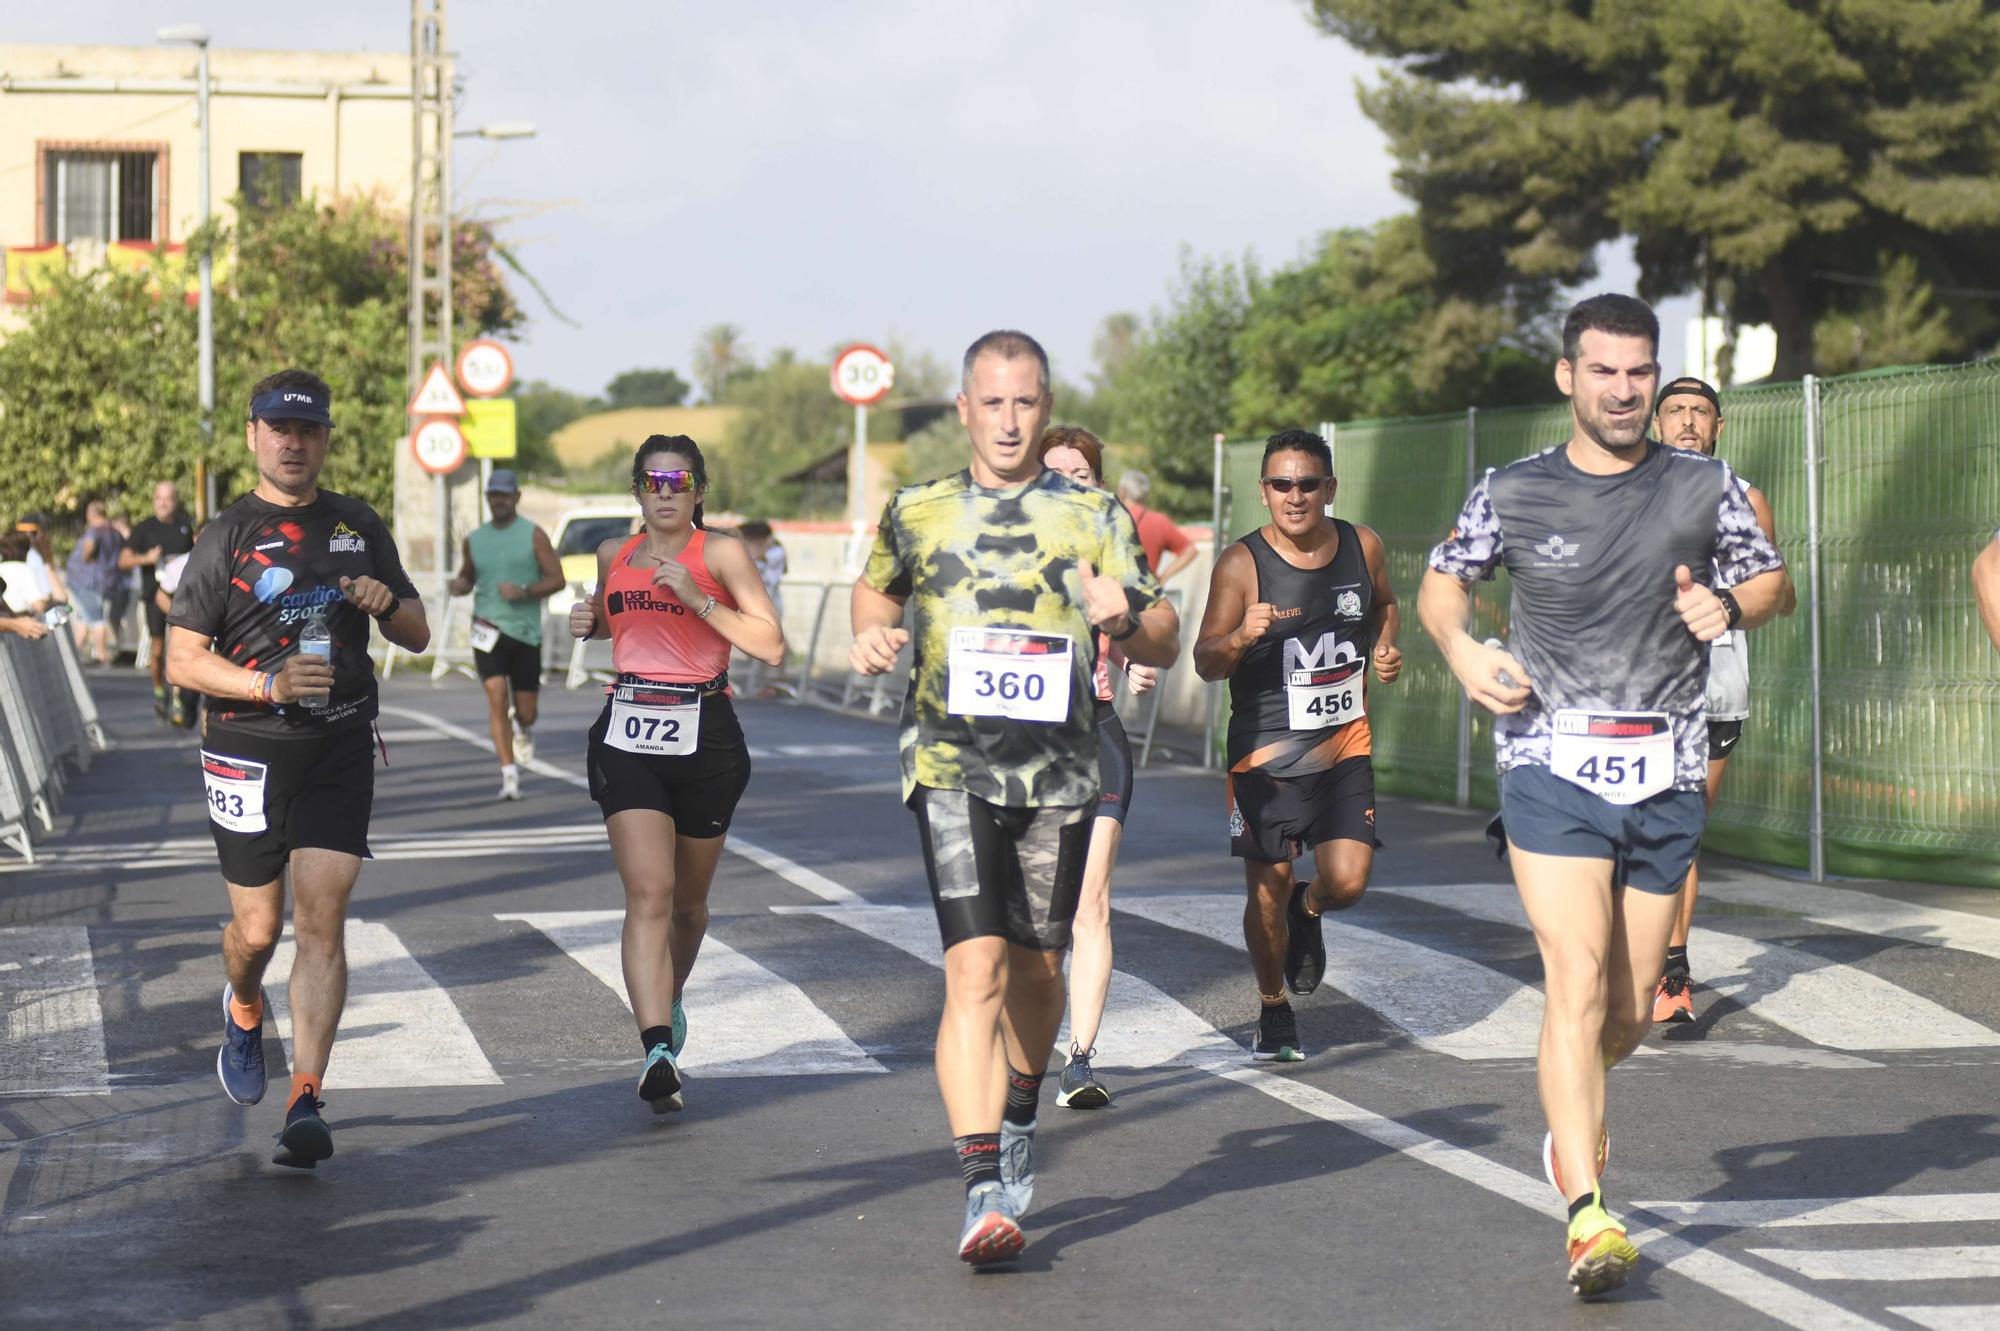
(1829, 1003)
(796, 874)
(1142, 1027)
(1947, 1208)
(1754, 1289)
(54, 1028)
(400, 1028)
(1448, 1004)
(1897, 1264)
(1954, 1317)
(743, 1020)
(1864, 912)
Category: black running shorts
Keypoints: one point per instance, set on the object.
(317, 793)
(1275, 819)
(697, 790)
(1650, 844)
(1001, 872)
(520, 662)
(1722, 739)
(1114, 764)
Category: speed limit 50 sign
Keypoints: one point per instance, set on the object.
(862, 375)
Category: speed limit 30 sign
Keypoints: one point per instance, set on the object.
(438, 445)
(862, 375)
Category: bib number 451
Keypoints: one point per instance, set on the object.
(1612, 770)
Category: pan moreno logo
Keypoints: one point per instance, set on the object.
(346, 541)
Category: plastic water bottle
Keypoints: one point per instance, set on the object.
(316, 639)
(1506, 680)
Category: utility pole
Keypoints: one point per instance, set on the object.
(430, 237)
(193, 34)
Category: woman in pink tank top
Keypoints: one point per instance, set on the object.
(668, 762)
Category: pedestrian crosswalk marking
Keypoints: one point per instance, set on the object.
(1828, 1003)
(1950, 1208)
(1447, 1004)
(743, 1020)
(400, 1027)
(54, 1029)
(1864, 912)
(1965, 1262)
(1142, 1027)
(1954, 1317)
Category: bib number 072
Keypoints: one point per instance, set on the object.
(652, 729)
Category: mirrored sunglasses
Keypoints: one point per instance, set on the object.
(670, 482)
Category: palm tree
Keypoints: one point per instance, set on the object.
(718, 354)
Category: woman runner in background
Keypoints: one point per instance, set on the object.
(1079, 455)
(667, 757)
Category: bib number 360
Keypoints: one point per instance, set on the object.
(235, 788)
(1621, 757)
(656, 719)
(1008, 672)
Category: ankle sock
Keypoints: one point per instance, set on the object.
(656, 1035)
(978, 1158)
(1677, 959)
(247, 1016)
(510, 769)
(1275, 1000)
(1024, 1097)
(303, 1084)
(1577, 1207)
(1305, 899)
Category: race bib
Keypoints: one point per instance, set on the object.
(1620, 757)
(485, 636)
(235, 792)
(1014, 673)
(1726, 638)
(1328, 696)
(654, 718)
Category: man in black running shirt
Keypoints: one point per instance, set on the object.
(1611, 543)
(271, 622)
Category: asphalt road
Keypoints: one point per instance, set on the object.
(1818, 1150)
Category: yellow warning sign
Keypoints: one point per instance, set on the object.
(489, 427)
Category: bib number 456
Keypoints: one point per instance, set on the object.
(1331, 704)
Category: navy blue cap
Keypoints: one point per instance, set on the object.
(291, 404)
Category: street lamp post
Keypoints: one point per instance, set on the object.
(193, 34)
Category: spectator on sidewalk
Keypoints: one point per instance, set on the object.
(28, 590)
(21, 625)
(1158, 533)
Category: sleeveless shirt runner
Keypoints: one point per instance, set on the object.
(507, 554)
(1324, 631)
(652, 634)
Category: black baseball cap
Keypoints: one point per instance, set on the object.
(1687, 383)
(292, 404)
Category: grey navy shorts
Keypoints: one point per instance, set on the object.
(1651, 844)
(998, 871)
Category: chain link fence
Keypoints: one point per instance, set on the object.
(1900, 776)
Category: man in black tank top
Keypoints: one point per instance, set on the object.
(1610, 542)
(1297, 613)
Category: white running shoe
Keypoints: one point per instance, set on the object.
(510, 786)
(524, 746)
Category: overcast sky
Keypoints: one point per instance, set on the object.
(903, 169)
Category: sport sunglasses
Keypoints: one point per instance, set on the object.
(672, 482)
(1307, 484)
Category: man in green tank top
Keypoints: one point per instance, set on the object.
(509, 569)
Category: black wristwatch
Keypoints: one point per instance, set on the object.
(1728, 599)
(395, 604)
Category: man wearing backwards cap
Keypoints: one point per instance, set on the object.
(1689, 415)
(288, 760)
(510, 568)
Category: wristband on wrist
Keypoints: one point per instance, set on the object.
(1728, 599)
(395, 604)
(706, 610)
(1131, 627)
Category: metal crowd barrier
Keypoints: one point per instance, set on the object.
(49, 729)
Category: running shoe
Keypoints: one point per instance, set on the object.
(306, 1139)
(524, 746)
(160, 704)
(1600, 1256)
(1017, 1165)
(178, 710)
(1671, 1001)
(1278, 1036)
(510, 786)
(660, 1081)
(680, 1028)
(240, 1061)
(1305, 945)
(1554, 1175)
(1079, 1087)
(992, 1232)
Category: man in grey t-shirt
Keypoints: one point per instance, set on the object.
(1611, 541)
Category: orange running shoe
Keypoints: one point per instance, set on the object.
(1554, 1174)
(1670, 1000)
(1600, 1256)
